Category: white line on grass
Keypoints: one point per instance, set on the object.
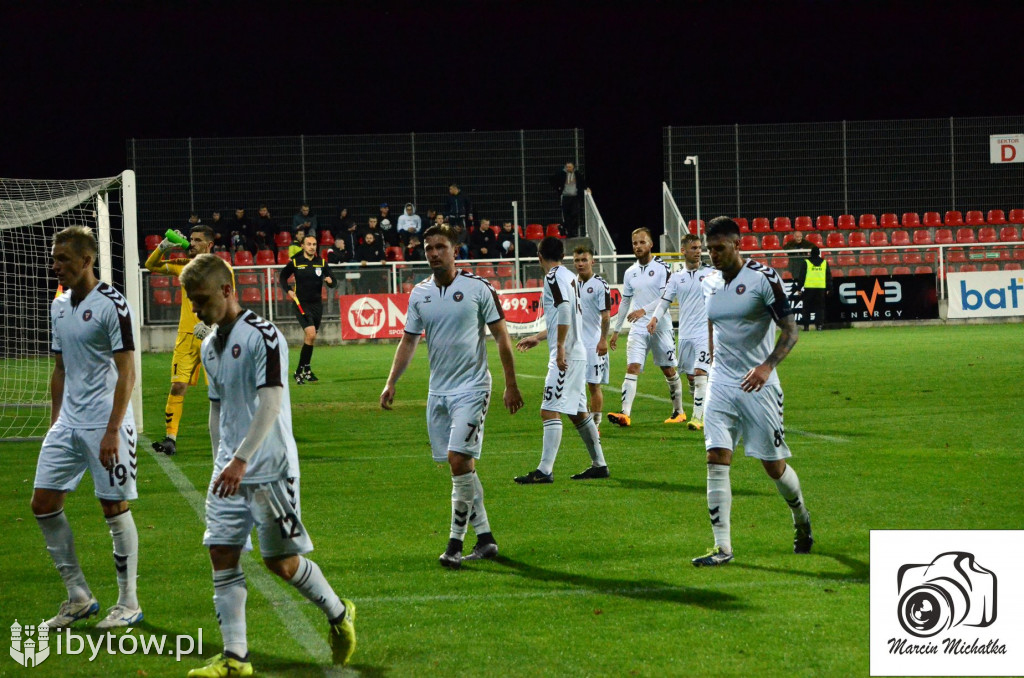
(662, 399)
(286, 609)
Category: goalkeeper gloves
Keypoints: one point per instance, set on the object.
(202, 330)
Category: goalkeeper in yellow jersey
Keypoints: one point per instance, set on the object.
(191, 331)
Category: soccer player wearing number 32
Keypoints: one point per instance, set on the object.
(91, 427)
(453, 307)
(745, 303)
(191, 331)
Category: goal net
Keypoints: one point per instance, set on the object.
(31, 212)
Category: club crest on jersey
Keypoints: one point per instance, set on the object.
(236, 351)
(651, 273)
(87, 316)
(458, 296)
(740, 289)
(590, 290)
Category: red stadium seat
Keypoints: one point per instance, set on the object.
(394, 254)
(782, 225)
(825, 223)
(853, 272)
(326, 239)
(847, 222)
(880, 270)
(888, 221)
(878, 239)
(505, 271)
(846, 259)
(760, 225)
(974, 218)
(282, 239)
(944, 236)
(996, 218)
(175, 281)
(992, 266)
(857, 239)
(1018, 253)
(153, 241)
(1016, 217)
(250, 295)
(786, 275)
(838, 273)
(162, 297)
(265, 257)
(534, 232)
(554, 231)
(485, 271)
(923, 270)
(692, 225)
(742, 223)
(953, 218)
(804, 224)
(815, 238)
(510, 284)
(159, 281)
(1008, 234)
(835, 240)
(900, 238)
(923, 238)
(1012, 266)
(911, 220)
(464, 264)
(324, 251)
(912, 258)
(748, 243)
(869, 259)
(243, 258)
(901, 270)
(932, 220)
(407, 287)
(867, 221)
(956, 256)
(248, 279)
(177, 297)
(890, 258)
(968, 268)
(531, 282)
(780, 263)
(770, 242)
(965, 235)
(987, 234)
(223, 255)
(282, 257)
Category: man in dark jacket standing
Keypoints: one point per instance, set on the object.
(570, 184)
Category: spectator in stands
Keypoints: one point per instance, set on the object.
(221, 229)
(242, 232)
(342, 225)
(305, 219)
(506, 241)
(266, 229)
(796, 259)
(351, 233)
(193, 220)
(388, 227)
(414, 249)
(296, 245)
(409, 223)
(570, 185)
(339, 254)
(483, 244)
(371, 227)
(371, 255)
(429, 221)
(457, 207)
(813, 285)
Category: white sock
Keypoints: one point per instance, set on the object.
(229, 593)
(690, 380)
(462, 504)
(60, 542)
(628, 393)
(789, 487)
(675, 392)
(126, 557)
(720, 504)
(597, 418)
(699, 393)
(588, 432)
(552, 440)
(312, 584)
(478, 516)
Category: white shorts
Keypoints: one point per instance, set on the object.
(660, 344)
(597, 367)
(731, 414)
(456, 423)
(273, 508)
(67, 452)
(566, 392)
(693, 354)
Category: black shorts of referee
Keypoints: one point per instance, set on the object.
(314, 311)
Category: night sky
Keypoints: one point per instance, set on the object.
(79, 79)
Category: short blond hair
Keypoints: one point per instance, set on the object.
(81, 239)
(206, 268)
(644, 229)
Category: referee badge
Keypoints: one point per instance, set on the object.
(458, 296)
(236, 351)
(319, 271)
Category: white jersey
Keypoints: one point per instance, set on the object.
(595, 298)
(454, 319)
(87, 335)
(560, 288)
(743, 313)
(644, 283)
(240, 359)
(687, 287)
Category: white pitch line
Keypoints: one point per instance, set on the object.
(662, 399)
(286, 609)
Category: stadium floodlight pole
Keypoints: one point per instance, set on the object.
(692, 160)
(515, 229)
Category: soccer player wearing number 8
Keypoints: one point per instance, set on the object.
(565, 386)
(453, 307)
(311, 272)
(185, 362)
(745, 302)
(255, 479)
(91, 427)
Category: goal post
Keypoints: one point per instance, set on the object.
(31, 212)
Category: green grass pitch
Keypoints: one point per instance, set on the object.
(911, 427)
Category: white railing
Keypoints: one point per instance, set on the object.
(672, 219)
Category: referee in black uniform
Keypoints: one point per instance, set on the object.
(311, 272)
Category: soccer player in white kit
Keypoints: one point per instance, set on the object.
(643, 284)
(596, 301)
(745, 399)
(453, 307)
(91, 427)
(255, 479)
(688, 287)
(564, 389)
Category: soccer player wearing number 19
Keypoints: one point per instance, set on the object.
(255, 469)
(91, 427)
(744, 400)
(453, 307)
